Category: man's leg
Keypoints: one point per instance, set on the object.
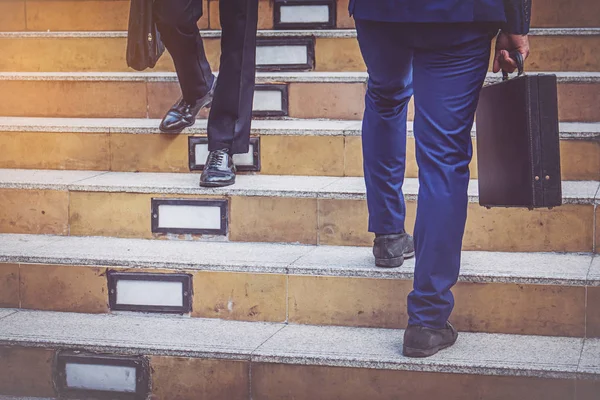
(231, 112)
(389, 90)
(177, 23)
(447, 82)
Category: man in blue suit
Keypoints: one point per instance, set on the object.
(438, 50)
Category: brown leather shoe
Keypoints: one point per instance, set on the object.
(424, 342)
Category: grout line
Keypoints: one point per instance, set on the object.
(10, 314)
(595, 228)
(287, 298)
(19, 290)
(585, 312)
(25, 3)
(283, 326)
(100, 173)
(110, 155)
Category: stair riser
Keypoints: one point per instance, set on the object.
(67, 54)
(578, 102)
(501, 307)
(279, 154)
(274, 381)
(339, 221)
(29, 372)
(112, 15)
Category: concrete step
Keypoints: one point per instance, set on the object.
(518, 293)
(112, 15)
(142, 95)
(284, 147)
(262, 208)
(183, 358)
(572, 49)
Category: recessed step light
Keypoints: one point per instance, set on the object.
(271, 100)
(198, 152)
(190, 216)
(285, 53)
(304, 14)
(148, 292)
(85, 375)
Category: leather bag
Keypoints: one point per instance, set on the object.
(518, 153)
(144, 46)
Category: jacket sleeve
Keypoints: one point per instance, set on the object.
(518, 16)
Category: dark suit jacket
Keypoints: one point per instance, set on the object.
(513, 15)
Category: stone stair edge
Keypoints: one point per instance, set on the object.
(261, 77)
(265, 33)
(148, 255)
(279, 126)
(343, 188)
(474, 353)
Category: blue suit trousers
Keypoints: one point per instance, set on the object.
(444, 67)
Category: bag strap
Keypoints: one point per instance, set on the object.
(518, 57)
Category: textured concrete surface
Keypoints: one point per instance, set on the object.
(574, 192)
(42, 179)
(136, 334)
(594, 275)
(474, 353)
(246, 257)
(6, 312)
(288, 127)
(319, 33)
(590, 357)
(15, 246)
(490, 354)
(261, 77)
(531, 268)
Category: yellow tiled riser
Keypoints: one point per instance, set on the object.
(68, 54)
(276, 382)
(112, 15)
(317, 300)
(280, 155)
(28, 372)
(138, 99)
(569, 228)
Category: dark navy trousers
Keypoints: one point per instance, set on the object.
(231, 112)
(444, 67)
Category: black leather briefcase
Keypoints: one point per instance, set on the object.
(518, 154)
(144, 46)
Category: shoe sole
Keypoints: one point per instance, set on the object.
(178, 131)
(421, 353)
(175, 131)
(389, 262)
(409, 255)
(214, 185)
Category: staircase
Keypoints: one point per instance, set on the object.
(121, 278)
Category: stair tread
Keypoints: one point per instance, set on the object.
(308, 127)
(341, 261)
(474, 353)
(574, 192)
(263, 33)
(261, 77)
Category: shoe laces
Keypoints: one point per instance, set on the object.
(216, 158)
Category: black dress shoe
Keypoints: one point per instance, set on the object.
(424, 342)
(183, 114)
(219, 170)
(391, 250)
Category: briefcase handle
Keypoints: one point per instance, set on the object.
(518, 57)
